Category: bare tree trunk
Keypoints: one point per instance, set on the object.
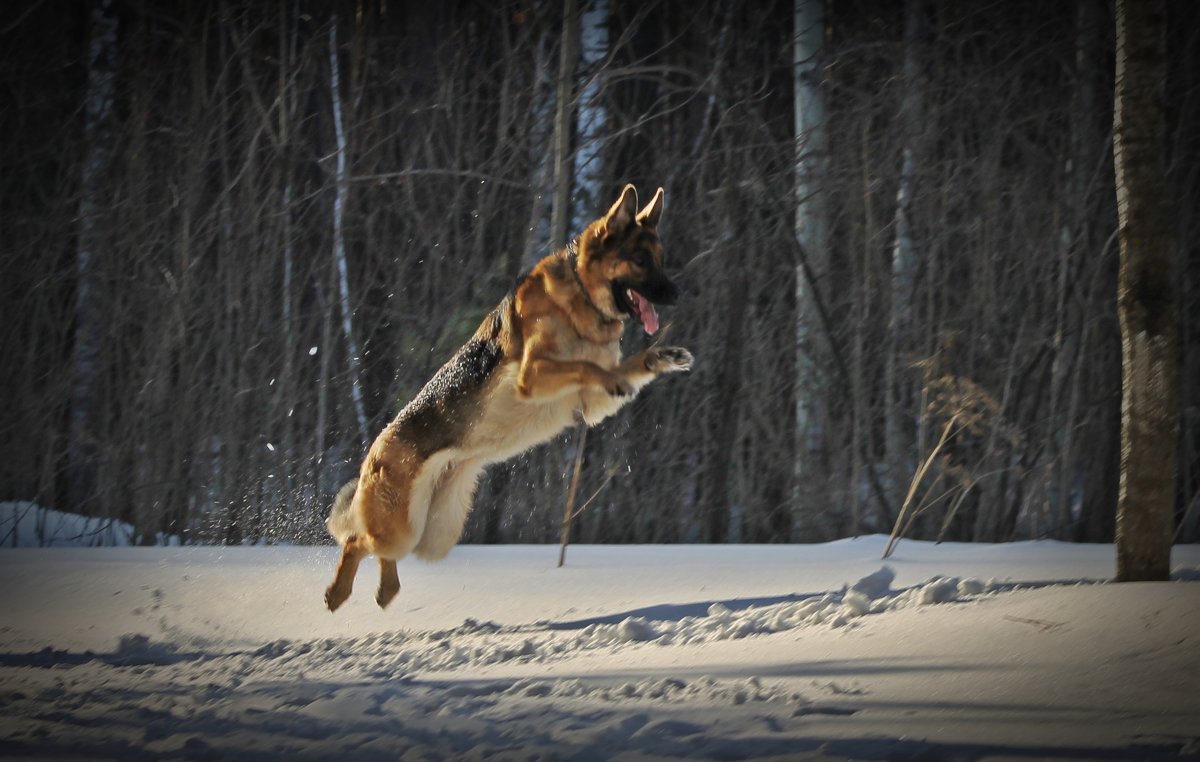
(560, 212)
(572, 493)
(1146, 298)
(543, 122)
(322, 422)
(860, 400)
(290, 339)
(811, 232)
(900, 444)
(1080, 170)
(339, 239)
(717, 494)
(716, 497)
(85, 353)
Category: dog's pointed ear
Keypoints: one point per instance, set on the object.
(621, 215)
(650, 216)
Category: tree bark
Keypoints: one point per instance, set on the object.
(288, 386)
(86, 350)
(1146, 298)
(900, 445)
(541, 178)
(592, 118)
(811, 232)
(568, 54)
(1076, 244)
(560, 211)
(339, 239)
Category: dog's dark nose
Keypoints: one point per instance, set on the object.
(660, 290)
(667, 292)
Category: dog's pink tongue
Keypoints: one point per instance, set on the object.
(646, 312)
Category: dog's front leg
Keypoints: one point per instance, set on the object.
(637, 370)
(543, 376)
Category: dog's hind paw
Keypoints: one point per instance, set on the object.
(385, 594)
(668, 359)
(333, 599)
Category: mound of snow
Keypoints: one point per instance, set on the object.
(939, 591)
(1186, 573)
(636, 629)
(876, 584)
(28, 525)
(24, 524)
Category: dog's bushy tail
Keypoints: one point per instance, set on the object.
(341, 522)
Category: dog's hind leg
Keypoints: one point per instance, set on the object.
(448, 509)
(396, 504)
(387, 516)
(389, 582)
(353, 552)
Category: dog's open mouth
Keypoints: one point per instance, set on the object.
(638, 307)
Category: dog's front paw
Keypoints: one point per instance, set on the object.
(668, 360)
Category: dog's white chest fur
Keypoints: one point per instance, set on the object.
(510, 424)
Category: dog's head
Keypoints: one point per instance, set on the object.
(621, 261)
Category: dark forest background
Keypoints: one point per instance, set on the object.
(236, 237)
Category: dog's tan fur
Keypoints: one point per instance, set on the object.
(550, 351)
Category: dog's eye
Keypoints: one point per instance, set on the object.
(643, 259)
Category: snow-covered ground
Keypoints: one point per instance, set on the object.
(944, 652)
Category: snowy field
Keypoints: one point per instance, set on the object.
(950, 652)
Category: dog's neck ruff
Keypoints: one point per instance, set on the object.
(572, 251)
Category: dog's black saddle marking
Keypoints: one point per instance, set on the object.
(440, 414)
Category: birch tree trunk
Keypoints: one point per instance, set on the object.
(588, 178)
(1146, 298)
(592, 118)
(85, 352)
(339, 239)
(811, 232)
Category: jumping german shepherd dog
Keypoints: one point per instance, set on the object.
(549, 352)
